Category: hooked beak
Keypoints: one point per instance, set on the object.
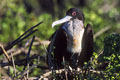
(63, 20)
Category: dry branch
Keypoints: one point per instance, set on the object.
(13, 65)
(5, 75)
(4, 51)
(60, 71)
(47, 74)
(25, 71)
(102, 31)
(22, 61)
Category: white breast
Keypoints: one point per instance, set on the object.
(75, 31)
(75, 45)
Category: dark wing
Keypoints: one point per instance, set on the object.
(89, 34)
(58, 47)
(89, 40)
(87, 46)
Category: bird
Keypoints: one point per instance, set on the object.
(71, 42)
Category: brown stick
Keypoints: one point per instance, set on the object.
(22, 61)
(102, 31)
(13, 65)
(5, 53)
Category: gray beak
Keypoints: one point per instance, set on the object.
(63, 20)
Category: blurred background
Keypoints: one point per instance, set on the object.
(16, 16)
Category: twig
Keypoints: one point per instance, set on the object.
(28, 70)
(100, 52)
(65, 69)
(47, 74)
(4, 51)
(45, 42)
(102, 31)
(25, 71)
(19, 50)
(50, 72)
(49, 56)
(45, 48)
(22, 61)
(16, 51)
(27, 62)
(13, 65)
(3, 73)
(28, 54)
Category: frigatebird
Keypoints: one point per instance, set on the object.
(72, 41)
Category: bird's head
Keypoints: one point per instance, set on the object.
(73, 13)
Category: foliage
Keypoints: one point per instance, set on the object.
(16, 16)
(111, 55)
(15, 20)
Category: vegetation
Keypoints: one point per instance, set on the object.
(17, 16)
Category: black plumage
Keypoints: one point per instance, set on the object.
(72, 41)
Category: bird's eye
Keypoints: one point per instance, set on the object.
(73, 13)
